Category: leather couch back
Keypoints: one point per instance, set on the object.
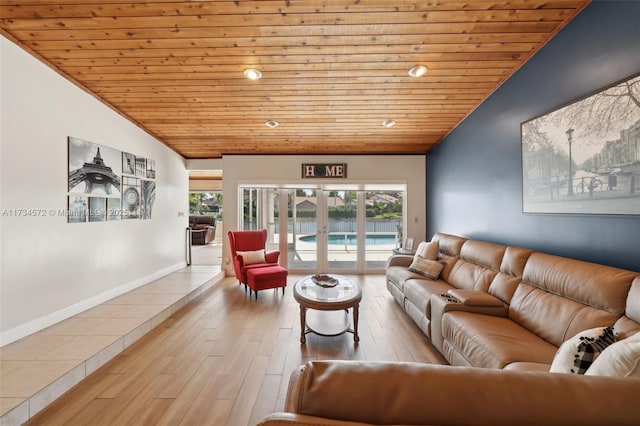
(478, 265)
(202, 220)
(559, 297)
(450, 245)
(511, 269)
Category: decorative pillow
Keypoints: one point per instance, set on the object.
(429, 268)
(621, 359)
(428, 250)
(251, 257)
(576, 354)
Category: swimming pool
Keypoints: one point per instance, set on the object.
(350, 239)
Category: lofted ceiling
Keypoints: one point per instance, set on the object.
(333, 70)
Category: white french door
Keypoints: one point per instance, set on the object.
(326, 229)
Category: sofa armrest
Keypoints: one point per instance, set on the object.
(400, 260)
(412, 393)
(443, 303)
(476, 298)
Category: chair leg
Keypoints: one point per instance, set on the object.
(283, 290)
(256, 291)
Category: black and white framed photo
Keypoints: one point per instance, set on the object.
(148, 198)
(77, 210)
(151, 169)
(141, 167)
(97, 209)
(584, 158)
(128, 163)
(114, 211)
(93, 169)
(131, 197)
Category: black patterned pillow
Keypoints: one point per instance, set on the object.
(576, 354)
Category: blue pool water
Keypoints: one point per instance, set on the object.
(339, 239)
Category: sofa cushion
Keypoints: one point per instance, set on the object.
(478, 265)
(483, 253)
(553, 317)
(251, 257)
(470, 276)
(449, 244)
(398, 275)
(488, 341)
(428, 250)
(504, 286)
(514, 260)
(419, 292)
(632, 307)
(576, 354)
(620, 359)
(429, 268)
(580, 281)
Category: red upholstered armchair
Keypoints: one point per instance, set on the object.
(250, 241)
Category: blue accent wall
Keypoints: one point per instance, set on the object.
(474, 183)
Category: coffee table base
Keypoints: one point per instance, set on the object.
(316, 326)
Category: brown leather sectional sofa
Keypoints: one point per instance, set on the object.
(356, 393)
(510, 307)
(506, 309)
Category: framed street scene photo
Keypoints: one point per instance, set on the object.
(584, 158)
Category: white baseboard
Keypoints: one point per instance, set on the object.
(33, 326)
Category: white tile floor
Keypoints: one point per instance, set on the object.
(39, 368)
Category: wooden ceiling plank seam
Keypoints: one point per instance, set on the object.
(154, 8)
(248, 5)
(203, 43)
(203, 33)
(92, 18)
(302, 25)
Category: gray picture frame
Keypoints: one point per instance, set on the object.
(104, 184)
(584, 157)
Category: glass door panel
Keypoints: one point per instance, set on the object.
(303, 237)
(259, 210)
(249, 208)
(383, 224)
(342, 237)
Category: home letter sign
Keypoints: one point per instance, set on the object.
(324, 170)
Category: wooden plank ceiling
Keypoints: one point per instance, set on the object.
(333, 70)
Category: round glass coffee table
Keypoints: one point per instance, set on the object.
(327, 293)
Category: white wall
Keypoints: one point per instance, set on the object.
(404, 169)
(51, 269)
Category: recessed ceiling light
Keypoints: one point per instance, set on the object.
(272, 123)
(252, 73)
(418, 71)
(389, 123)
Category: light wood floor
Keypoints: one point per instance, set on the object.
(225, 359)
